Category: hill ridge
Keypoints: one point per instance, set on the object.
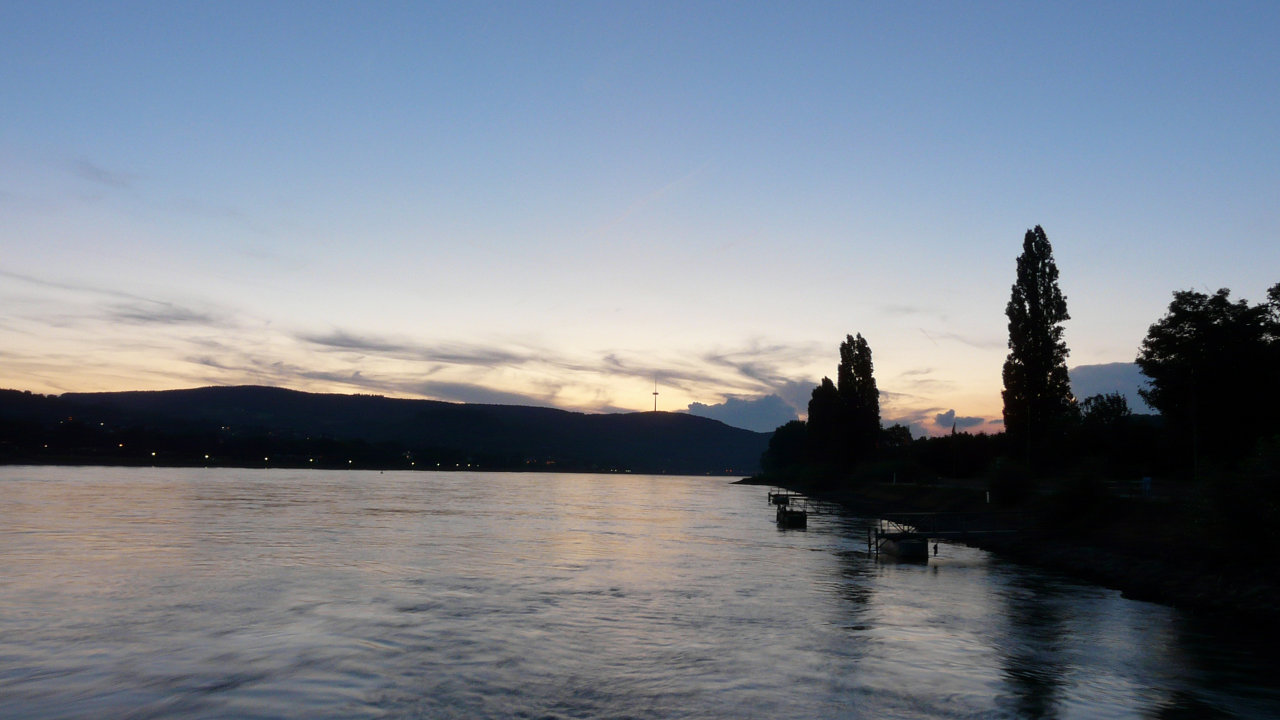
(251, 421)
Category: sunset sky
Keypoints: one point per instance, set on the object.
(557, 203)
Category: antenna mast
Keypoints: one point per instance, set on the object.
(655, 394)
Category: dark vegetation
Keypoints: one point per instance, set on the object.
(1183, 506)
(260, 426)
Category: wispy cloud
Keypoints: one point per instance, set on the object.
(890, 396)
(72, 286)
(439, 390)
(900, 310)
(981, 343)
(97, 174)
(161, 313)
(926, 385)
(79, 304)
(449, 353)
(470, 393)
(341, 340)
(916, 372)
(764, 363)
(755, 370)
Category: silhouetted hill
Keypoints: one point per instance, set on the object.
(243, 425)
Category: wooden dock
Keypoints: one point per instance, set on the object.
(902, 535)
(793, 509)
(907, 535)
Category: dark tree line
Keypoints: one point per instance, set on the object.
(1214, 370)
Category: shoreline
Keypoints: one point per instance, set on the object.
(1178, 577)
(365, 467)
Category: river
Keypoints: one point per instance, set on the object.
(220, 593)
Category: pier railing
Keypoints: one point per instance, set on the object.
(901, 530)
(953, 524)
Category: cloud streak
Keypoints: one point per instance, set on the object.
(99, 175)
(756, 370)
(161, 313)
(73, 287)
(448, 353)
(148, 343)
(980, 343)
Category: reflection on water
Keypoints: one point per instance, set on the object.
(234, 593)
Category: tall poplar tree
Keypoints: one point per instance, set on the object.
(844, 416)
(859, 399)
(1037, 392)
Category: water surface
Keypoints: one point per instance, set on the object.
(147, 593)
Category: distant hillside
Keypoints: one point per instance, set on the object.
(243, 425)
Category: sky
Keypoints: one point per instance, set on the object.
(560, 204)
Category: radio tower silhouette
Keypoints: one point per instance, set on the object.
(655, 394)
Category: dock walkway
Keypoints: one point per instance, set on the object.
(907, 535)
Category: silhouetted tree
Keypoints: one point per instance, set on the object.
(1037, 393)
(826, 416)
(786, 449)
(1105, 409)
(860, 398)
(895, 436)
(1273, 354)
(1212, 363)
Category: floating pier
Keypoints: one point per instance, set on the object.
(792, 517)
(794, 509)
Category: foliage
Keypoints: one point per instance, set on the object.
(787, 448)
(860, 399)
(826, 414)
(958, 455)
(1105, 409)
(895, 436)
(1212, 366)
(843, 428)
(1038, 403)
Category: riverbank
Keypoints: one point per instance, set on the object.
(1157, 551)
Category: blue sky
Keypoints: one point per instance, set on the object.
(557, 203)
